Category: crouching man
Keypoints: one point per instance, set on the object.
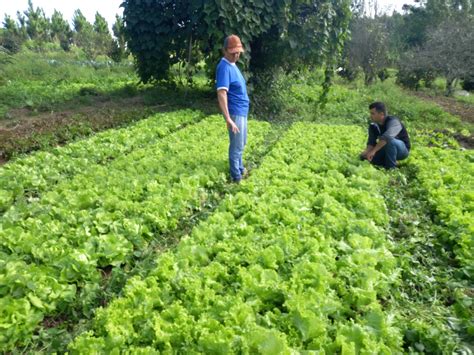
(388, 138)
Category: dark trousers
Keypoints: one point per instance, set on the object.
(390, 153)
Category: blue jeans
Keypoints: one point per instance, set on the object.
(390, 153)
(236, 147)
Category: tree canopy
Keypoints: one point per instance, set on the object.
(283, 33)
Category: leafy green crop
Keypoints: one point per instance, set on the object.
(448, 177)
(105, 216)
(27, 178)
(297, 260)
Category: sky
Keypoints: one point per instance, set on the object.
(108, 8)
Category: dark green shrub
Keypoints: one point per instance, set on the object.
(468, 84)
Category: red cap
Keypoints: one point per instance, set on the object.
(233, 44)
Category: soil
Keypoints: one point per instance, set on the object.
(449, 104)
(24, 121)
(23, 130)
(462, 109)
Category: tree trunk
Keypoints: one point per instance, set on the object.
(450, 84)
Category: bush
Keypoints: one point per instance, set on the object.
(11, 42)
(268, 98)
(468, 84)
(383, 74)
(412, 70)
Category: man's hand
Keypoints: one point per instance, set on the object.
(370, 155)
(233, 126)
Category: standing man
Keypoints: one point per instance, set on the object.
(234, 104)
(388, 138)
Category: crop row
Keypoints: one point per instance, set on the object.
(297, 260)
(51, 249)
(448, 177)
(25, 179)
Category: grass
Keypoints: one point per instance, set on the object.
(55, 80)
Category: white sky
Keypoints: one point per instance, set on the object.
(108, 8)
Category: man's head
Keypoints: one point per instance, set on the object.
(232, 48)
(378, 112)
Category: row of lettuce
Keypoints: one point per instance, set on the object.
(448, 177)
(97, 212)
(297, 260)
(27, 178)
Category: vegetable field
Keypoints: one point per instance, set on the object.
(134, 241)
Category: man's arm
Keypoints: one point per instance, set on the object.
(363, 155)
(380, 144)
(393, 129)
(373, 131)
(222, 99)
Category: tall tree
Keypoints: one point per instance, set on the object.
(80, 22)
(367, 49)
(37, 24)
(100, 24)
(60, 30)
(10, 24)
(119, 47)
(449, 50)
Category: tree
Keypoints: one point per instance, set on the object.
(119, 45)
(60, 30)
(37, 25)
(367, 49)
(100, 24)
(10, 38)
(420, 20)
(88, 37)
(449, 50)
(274, 32)
(102, 37)
(80, 22)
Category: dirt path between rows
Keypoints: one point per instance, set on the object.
(26, 131)
(449, 104)
(24, 120)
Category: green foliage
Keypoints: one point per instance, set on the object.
(176, 180)
(37, 25)
(447, 52)
(44, 82)
(80, 22)
(367, 49)
(100, 24)
(413, 69)
(94, 39)
(10, 37)
(441, 173)
(60, 30)
(262, 276)
(119, 47)
(274, 32)
(468, 84)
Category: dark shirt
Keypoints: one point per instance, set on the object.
(391, 129)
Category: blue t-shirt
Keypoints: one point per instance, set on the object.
(229, 77)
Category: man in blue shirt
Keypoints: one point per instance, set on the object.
(234, 104)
